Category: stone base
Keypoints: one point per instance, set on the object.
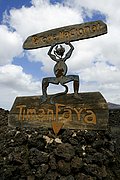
(90, 111)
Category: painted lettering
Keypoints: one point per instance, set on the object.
(61, 35)
(20, 111)
(99, 27)
(67, 34)
(41, 113)
(44, 39)
(72, 32)
(23, 116)
(60, 112)
(80, 32)
(90, 118)
(67, 115)
(55, 37)
(50, 115)
(31, 114)
(86, 29)
(35, 39)
(78, 112)
(50, 38)
(94, 28)
(58, 109)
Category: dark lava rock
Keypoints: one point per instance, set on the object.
(73, 141)
(52, 162)
(98, 158)
(90, 150)
(37, 157)
(41, 171)
(63, 167)
(80, 135)
(65, 151)
(15, 158)
(95, 170)
(97, 144)
(36, 141)
(82, 176)
(3, 117)
(76, 164)
(79, 150)
(90, 136)
(88, 159)
(25, 153)
(22, 136)
(67, 134)
(51, 175)
(114, 117)
(70, 177)
(51, 147)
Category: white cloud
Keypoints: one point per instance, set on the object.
(15, 82)
(96, 72)
(14, 77)
(41, 17)
(109, 8)
(10, 45)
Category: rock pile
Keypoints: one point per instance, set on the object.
(36, 154)
(114, 117)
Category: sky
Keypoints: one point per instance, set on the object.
(95, 60)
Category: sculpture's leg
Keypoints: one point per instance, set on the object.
(45, 84)
(59, 94)
(76, 86)
(75, 79)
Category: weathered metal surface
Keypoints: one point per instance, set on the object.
(91, 112)
(65, 34)
(60, 71)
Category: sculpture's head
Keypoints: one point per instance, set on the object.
(59, 51)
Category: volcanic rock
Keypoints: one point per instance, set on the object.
(37, 154)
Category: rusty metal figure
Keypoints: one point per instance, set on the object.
(60, 71)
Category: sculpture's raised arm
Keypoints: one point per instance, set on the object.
(52, 56)
(69, 53)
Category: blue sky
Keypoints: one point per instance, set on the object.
(6, 5)
(96, 60)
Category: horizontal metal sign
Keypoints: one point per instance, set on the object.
(65, 34)
(89, 113)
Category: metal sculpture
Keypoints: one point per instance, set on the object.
(60, 71)
(56, 37)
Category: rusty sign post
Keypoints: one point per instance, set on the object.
(72, 111)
